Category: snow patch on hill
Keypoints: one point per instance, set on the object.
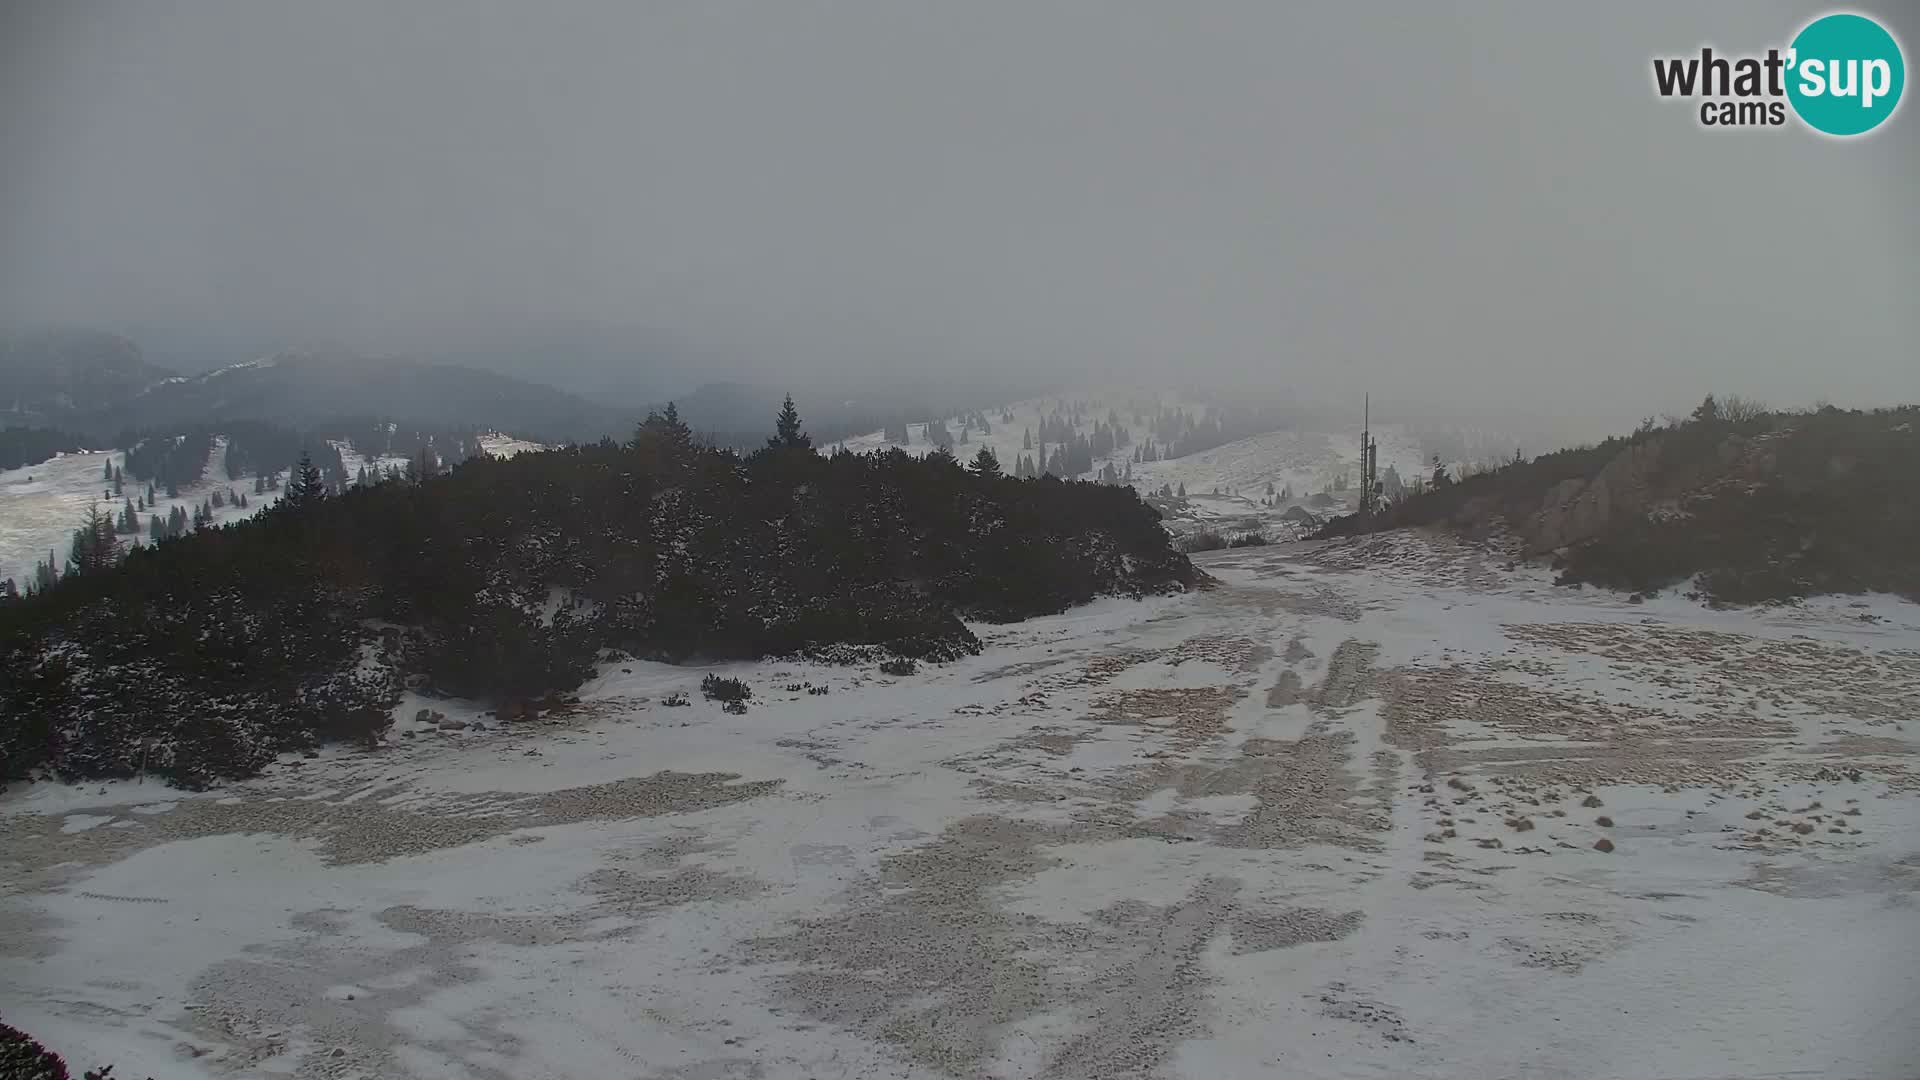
(41, 505)
(504, 446)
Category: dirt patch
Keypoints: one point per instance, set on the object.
(924, 957)
(1349, 678)
(364, 830)
(1190, 714)
(1286, 690)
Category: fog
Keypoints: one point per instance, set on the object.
(1474, 209)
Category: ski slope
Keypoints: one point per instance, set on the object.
(41, 505)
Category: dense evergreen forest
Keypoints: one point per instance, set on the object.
(202, 656)
(30, 446)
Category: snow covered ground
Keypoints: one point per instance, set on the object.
(506, 446)
(1335, 817)
(41, 505)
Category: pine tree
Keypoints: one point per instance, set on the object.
(8, 591)
(107, 472)
(259, 484)
(95, 546)
(1026, 440)
(985, 464)
(1183, 490)
(787, 433)
(306, 486)
(155, 530)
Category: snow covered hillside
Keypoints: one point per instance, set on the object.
(41, 505)
(1376, 808)
(1306, 462)
(506, 445)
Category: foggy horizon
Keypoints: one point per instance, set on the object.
(1478, 212)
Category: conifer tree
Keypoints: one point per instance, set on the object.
(95, 545)
(786, 427)
(45, 574)
(985, 464)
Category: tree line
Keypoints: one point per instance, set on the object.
(202, 655)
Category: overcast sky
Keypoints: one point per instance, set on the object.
(1445, 203)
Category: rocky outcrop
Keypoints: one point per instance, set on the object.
(1581, 509)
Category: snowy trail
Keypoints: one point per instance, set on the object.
(1334, 818)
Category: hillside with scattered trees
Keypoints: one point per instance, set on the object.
(204, 654)
(1749, 504)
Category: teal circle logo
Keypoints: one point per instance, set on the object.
(1845, 74)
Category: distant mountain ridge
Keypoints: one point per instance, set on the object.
(47, 377)
(98, 384)
(304, 389)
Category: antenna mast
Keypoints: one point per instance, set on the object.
(1369, 459)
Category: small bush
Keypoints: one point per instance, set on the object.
(738, 708)
(817, 691)
(675, 699)
(1204, 540)
(899, 665)
(21, 1056)
(1252, 539)
(731, 691)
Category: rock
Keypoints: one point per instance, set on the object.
(1580, 509)
(1603, 844)
(1603, 821)
(436, 716)
(453, 725)
(424, 716)
(1591, 802)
